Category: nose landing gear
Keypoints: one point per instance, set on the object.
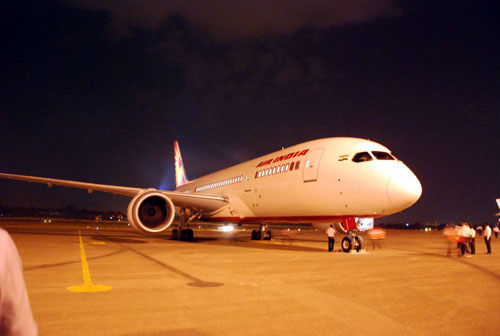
(262, 233)
(352, 242)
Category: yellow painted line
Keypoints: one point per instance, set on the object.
(93, 243)
(87, 286)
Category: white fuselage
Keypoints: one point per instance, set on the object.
(327, 186)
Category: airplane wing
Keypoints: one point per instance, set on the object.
(206, 203)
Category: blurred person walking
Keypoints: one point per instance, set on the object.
(376, 235)
(451, 235)
(16, 317)
(465, 233)
(496, 230)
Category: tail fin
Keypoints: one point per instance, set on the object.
(498, 202)
(180, 173)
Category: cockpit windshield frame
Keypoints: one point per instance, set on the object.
(362, 157)
(382, 155)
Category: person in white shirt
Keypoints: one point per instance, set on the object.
(16, 318)
(472, 241)
(496, 230)
(487, 237)
(330, 232)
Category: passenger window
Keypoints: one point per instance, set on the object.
(297, 165)
(362, 157)
(383, 156)
(291, 165)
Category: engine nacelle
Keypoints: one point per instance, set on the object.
(151, 211)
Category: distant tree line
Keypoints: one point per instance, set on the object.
(63, 212)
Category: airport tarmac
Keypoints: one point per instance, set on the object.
(219, 285)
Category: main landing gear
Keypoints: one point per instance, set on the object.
(186, 234)
(352, 242)
(261, 233)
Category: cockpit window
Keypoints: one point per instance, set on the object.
(383, 156)
(362, 157)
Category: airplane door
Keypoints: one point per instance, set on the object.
(248, 180)
(311, 165)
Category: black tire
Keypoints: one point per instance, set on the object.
(174, 234)
(359, 243)
(256, 235)
(346, 244)
(187, 235)
(268, 235)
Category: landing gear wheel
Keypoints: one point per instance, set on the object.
(256, 235)
(358, 245)
(187, 235)
(174, 234)
(346, 244)
(267, 235)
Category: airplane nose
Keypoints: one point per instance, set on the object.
(404, 189)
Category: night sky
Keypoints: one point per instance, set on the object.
(97, 91)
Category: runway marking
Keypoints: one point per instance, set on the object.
(87, 286)
(92, 243)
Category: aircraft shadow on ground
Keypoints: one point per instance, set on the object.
(118, 239)
(262, 245)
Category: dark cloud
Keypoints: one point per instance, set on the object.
(229, 19)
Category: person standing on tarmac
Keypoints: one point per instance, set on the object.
(472, 241)
(465, 232)
(487, 237)
(330, 232)
(16, 317)
(496, 230)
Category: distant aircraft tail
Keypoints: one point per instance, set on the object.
(180, 173)
(498, 203)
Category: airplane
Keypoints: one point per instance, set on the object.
(342, 181)
(498, 203)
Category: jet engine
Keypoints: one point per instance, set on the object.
(151, 211)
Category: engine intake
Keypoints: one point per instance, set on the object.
(151, 211)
